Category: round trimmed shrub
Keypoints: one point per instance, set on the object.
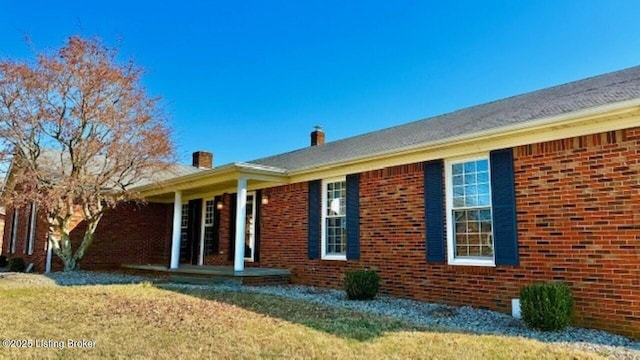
(16, 265)
(361, 284)
(3, 261)
(546, 306)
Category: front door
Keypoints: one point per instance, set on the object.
(190, 232)
(250, 228)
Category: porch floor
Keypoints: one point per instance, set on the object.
(249, 276)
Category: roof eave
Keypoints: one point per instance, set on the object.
(232, 170)
(548, 122)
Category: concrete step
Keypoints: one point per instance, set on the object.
(203, 280)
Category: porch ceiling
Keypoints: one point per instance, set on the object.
(214, 182)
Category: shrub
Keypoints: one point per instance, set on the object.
(546, 306)
(16, 265)
(361, 284)
(3, 261)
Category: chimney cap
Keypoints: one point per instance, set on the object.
(317, 136)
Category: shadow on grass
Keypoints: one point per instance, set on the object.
(340, 322)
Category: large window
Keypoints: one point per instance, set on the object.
(470, 225)
(334, 220)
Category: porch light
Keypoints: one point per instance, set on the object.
(219, 205)
(265, 199)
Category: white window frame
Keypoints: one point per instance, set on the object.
(32, 228)
(452, 260)
(14, 231)
(323, 208)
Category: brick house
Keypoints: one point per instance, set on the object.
(464, 208)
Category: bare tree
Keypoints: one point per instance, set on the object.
(80, 132)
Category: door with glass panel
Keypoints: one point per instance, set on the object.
(250, 227)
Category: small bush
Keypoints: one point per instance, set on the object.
(546, 306)
(3, 261)
(16, 265)
(361, 284)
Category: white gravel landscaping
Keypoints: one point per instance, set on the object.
(452, 318)
(446, 318)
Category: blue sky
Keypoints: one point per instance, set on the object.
(247, 79)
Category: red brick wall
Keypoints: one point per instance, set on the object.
(579, 222)
(136, 234)
(130, 234)
(38, 257)
(578, 204)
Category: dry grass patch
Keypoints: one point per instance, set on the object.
(137, 321)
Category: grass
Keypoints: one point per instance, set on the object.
(142, 321)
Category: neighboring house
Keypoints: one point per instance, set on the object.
(464, 208)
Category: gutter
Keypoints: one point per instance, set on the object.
(240, 167)
(498, 131)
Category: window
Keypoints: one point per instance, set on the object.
(469, 217)
(207, 226)
(184, 225)
(14, 230)
(31, 229)
(334, 220)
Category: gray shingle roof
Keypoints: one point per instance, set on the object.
(563, 99)
(50, 160)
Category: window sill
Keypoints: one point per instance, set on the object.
(335, 257)
(472, 262)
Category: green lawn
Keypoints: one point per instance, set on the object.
(138, 321)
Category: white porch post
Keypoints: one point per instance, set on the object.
(241, 210)
(175, 236)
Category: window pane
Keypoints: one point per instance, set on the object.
(470, 178)
(483, 177)
(469, 167)
(185, 215)
(473, 233)
(335, 219)
(482, 165)
(208, 213)
(457, 169)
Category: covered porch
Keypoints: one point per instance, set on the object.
(198, 201)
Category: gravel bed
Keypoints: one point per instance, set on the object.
(72, 278)
(450, 318)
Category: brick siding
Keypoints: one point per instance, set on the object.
(578, 204)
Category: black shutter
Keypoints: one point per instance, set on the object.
(232, 226)
(353, 217)
(215, 246)
(434, 210)
(503, 201)
(313, 217)
(256, 231)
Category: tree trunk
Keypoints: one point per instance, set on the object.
(87, 240)
(62, 246)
